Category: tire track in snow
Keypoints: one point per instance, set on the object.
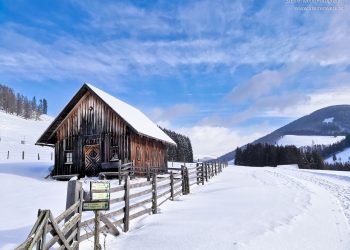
(302, 196)
(341, 192)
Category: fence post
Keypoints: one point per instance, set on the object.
(120, 174)
(206, 172)
(22, 155)
(183, 180)
(51, 156)
(127, 203)
(74, 189)
(97, 245)
(187, 181)
(172, 185)
(209, 170)
(154, 193)
(74, 194)
(202, 169)
(198, 173)
(8, 155)
(38, 157)
(148, 174)
(216, 168)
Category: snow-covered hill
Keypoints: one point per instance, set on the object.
(308, 140)
(24, 189)
(329, 121)
(18, 135)
(343, 157)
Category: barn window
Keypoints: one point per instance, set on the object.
(146, 155)
(138, 153)
(69, 157)
(114, 153)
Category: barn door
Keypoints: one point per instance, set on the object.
(92, 159)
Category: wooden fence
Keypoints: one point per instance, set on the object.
(128, 202)
(23, 155)
(47, 231)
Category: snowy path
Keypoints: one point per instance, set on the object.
(250, 208)
(323, 225)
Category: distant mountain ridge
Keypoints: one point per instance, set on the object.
(329, 121)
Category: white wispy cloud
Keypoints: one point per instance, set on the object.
(257, 86)
(163, 115)
(216, 140)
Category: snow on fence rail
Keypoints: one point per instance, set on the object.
(127, 202)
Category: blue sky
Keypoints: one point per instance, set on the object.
(226, 72)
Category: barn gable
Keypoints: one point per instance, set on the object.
(137, 120)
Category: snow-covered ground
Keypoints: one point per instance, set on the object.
(242, 208)
(250, 208)
(24, 190)
(308, 140)
(14, 130)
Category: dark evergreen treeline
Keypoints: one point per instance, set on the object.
(259, 155)
(329, 150)
(338, 166)
(183, 152)
(16, 103)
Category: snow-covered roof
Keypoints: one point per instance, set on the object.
(133, 116)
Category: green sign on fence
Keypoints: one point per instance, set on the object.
(100, 196)
(95, 205)
(100, 186)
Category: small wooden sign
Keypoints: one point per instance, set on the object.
(100, 186)
(95, 205)
(100, 196)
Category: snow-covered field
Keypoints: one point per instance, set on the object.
(308, 140)
(242, 208)
(24, 190)
(13, 130)
(250, 208)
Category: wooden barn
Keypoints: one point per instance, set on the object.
(96, 130)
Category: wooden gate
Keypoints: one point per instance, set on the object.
(92, 159)
(47, 231)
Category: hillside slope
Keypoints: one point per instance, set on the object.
(18, 135)
(329, 121)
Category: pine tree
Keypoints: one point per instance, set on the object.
(183, 151)
(15, 103)
(39, 110)
(44, 106)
